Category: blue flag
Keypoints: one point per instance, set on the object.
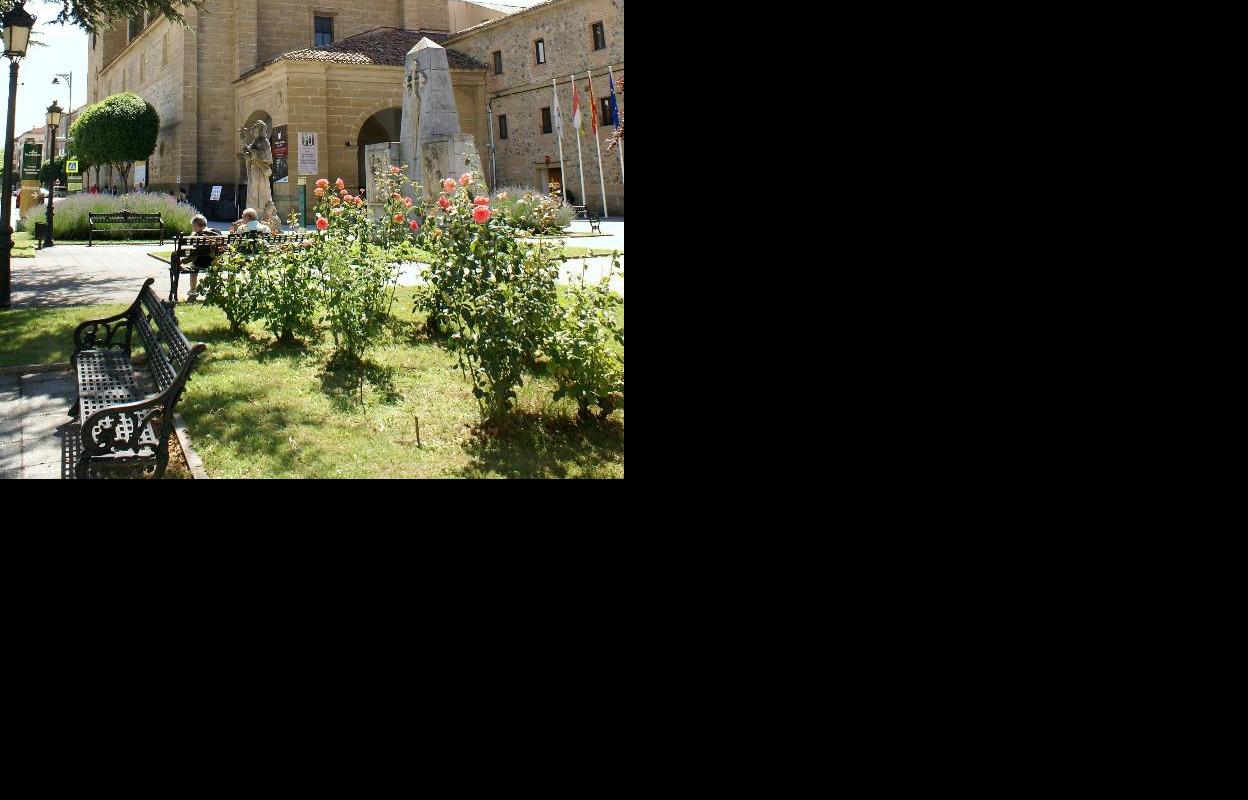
(615, 110)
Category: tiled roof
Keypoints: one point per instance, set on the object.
(383, 46)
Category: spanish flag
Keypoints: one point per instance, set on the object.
(593, 107)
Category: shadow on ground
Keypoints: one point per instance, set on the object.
(542, 445)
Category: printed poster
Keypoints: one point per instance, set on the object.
(281, 149)
(308, 164)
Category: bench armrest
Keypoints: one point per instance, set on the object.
(126, 428)
(88, 335)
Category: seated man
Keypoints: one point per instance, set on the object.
(203, 260)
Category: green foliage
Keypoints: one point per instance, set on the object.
(98, 15)
(497, 297)
(71, 222)
(288, 291)
(582, 360)
(233, 284)
(118, 130)
(532, 211)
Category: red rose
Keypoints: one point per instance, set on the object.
(322, 224)
(481, 215)
(414, 225)
(442, 201)
(482, 201)
(398, 218)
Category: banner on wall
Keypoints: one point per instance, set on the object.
(308, 164)
(281, 149)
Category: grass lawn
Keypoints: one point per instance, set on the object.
(255, 409)
(162, 255)
(23, 244)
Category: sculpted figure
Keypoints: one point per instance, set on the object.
(259, 155)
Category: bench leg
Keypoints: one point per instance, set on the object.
(173, 284)
(80, 469)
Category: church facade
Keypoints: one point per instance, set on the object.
(332, 71)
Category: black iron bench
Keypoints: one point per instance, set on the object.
(124, 430)
(195, 254)
(128, 220)
(595, 221)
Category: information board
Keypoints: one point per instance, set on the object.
(32, 159)
(308, 164)
(216, 194)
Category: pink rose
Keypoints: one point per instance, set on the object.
(448, 185)
(395, 170)
(481, 215)
(340, 184)
(482, 201)
(465, 178)
(322, 183)
(398, 218)
(320, 192)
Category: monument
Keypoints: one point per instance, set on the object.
(432, 146)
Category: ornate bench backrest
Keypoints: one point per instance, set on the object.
(168, 349)
(122, 217)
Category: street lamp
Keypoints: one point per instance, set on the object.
(54, 122)
(69, 79)
(17, 27)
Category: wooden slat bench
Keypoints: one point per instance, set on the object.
(124, 430)
(128, 220)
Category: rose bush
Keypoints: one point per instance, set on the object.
(582, 362)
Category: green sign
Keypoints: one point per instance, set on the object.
(71, 166)
(32, 159)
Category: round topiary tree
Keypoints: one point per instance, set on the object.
(117, 131)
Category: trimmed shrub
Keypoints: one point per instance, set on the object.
(70, 220)
(582, 361)
(530, 210)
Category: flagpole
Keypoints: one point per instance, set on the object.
(619, 142)
(580, 163)
(563, 179)
(602, 179)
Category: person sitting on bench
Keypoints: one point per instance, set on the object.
(249, 222)
(199, 227)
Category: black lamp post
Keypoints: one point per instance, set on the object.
(17, 26)
(54, 122)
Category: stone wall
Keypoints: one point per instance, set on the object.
(524, 88)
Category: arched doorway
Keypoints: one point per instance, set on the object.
(384, 126)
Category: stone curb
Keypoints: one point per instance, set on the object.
(35, 368)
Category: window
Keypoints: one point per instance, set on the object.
(604, 113)
(546, 126)
(502, 126)
(600, 37)
(498, 62)
(324, 31)
(540, 47)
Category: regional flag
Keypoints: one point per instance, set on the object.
(577, 121)
(593, 107)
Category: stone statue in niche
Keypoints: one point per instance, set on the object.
(259, 162)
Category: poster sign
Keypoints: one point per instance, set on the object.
(281, 148)
(71, 166)
(308, 164)
(216, 194)
(32, 159)
(140, 174)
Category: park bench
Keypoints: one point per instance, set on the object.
(128, 220)
(595, 221)
(123, 429)
(195, 254)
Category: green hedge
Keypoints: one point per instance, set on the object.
(70, 218)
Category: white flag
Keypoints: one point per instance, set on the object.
(555, 111)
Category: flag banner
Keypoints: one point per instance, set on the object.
(578, 121)
(615, 108)
(555, 110)
(593, 105)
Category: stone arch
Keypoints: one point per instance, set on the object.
(380, 126)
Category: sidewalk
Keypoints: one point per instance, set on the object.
(37, 437)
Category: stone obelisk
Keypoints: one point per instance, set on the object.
(432, 146)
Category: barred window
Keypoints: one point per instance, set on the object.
(600, 37)
(498, 62)
(540, 47)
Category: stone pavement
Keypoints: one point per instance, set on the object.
(37, 437)
(74, 274)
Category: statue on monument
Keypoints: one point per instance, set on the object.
(259, 157)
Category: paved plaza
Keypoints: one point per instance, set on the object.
(75, 274)
(37, 437)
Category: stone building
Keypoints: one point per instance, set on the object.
(329, 67)
(524, 52)
(334, 68)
